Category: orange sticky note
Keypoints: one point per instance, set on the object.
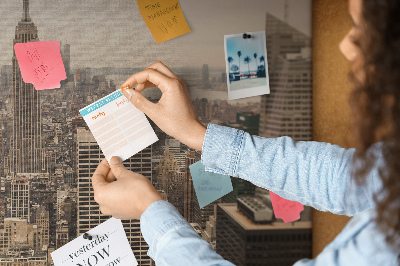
(164, 18)
(41, 64)
(284, 209)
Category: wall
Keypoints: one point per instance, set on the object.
(331, 88)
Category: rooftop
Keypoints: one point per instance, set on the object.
(247, 224)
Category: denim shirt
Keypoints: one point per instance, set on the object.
(312, 173)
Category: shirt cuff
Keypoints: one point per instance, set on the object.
(221, 150)
(159, 218)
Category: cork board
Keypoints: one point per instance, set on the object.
(331, 88)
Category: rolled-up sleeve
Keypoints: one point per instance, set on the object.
(313, 173)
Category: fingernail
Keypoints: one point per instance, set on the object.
(115, 160)
(128, 94)
(125, 88)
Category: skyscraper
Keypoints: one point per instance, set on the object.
(189, 195)
(171, 180)
(19, 207)
(174, 146)
(202, 215)
(27, 152)
(42, 221)
(243, 242)
(66, 57)
(89, 215)
(287, 110)
(205, 77)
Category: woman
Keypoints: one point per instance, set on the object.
(361, 182)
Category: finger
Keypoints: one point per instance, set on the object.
(117, 167)
(99, 176)
(142, 86)
(160, 67)
(141, 103)
(160, 80)
(110, 177)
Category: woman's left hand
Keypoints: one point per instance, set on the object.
(127, 197)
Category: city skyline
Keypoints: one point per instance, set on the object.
(113, 34)
(40, 212)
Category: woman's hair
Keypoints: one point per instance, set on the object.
(375, 103)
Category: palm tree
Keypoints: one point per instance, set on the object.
(230, 60)
(239, 54)
(247, 60)
(255, 58)
(262, 59)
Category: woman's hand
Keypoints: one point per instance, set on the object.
(174, 113)
(127, 197)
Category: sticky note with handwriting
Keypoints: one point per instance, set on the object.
(164, 18)
(118, 126)
(41, 64)
(287, 210)
(209, 186)
(108, 246)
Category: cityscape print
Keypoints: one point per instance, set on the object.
(49, 155)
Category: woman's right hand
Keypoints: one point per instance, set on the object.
(174, 113)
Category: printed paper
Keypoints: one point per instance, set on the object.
(164, 18)
(41, 64)
(209, 186)
(118, 126)
(109, 246)
(288, 211)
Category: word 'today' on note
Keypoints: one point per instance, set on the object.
(41, 64)
(164, 19)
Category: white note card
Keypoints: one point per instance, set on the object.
(108, 247)
(118, 126)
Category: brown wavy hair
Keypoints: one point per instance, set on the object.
(375, 103)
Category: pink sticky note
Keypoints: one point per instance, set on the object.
(41, 64)
(284, 209)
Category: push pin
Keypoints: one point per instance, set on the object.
(87, 236)
(246, 36)
(125, 88)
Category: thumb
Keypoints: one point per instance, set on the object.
(139, 101)
(117, 167)
(99, 176)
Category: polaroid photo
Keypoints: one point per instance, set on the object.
(246, 65)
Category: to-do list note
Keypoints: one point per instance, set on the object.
(118, 126)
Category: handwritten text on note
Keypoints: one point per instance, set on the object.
(164, 19)
(209, 186)
(41, 64)
(288, 211)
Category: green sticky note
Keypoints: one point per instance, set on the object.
(209, 186)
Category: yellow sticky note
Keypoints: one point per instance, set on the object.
(164, 18)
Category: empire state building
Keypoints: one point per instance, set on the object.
(27, 150)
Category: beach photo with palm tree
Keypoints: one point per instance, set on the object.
(247, 61)
(246, 73)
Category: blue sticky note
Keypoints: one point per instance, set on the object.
(209, 186)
